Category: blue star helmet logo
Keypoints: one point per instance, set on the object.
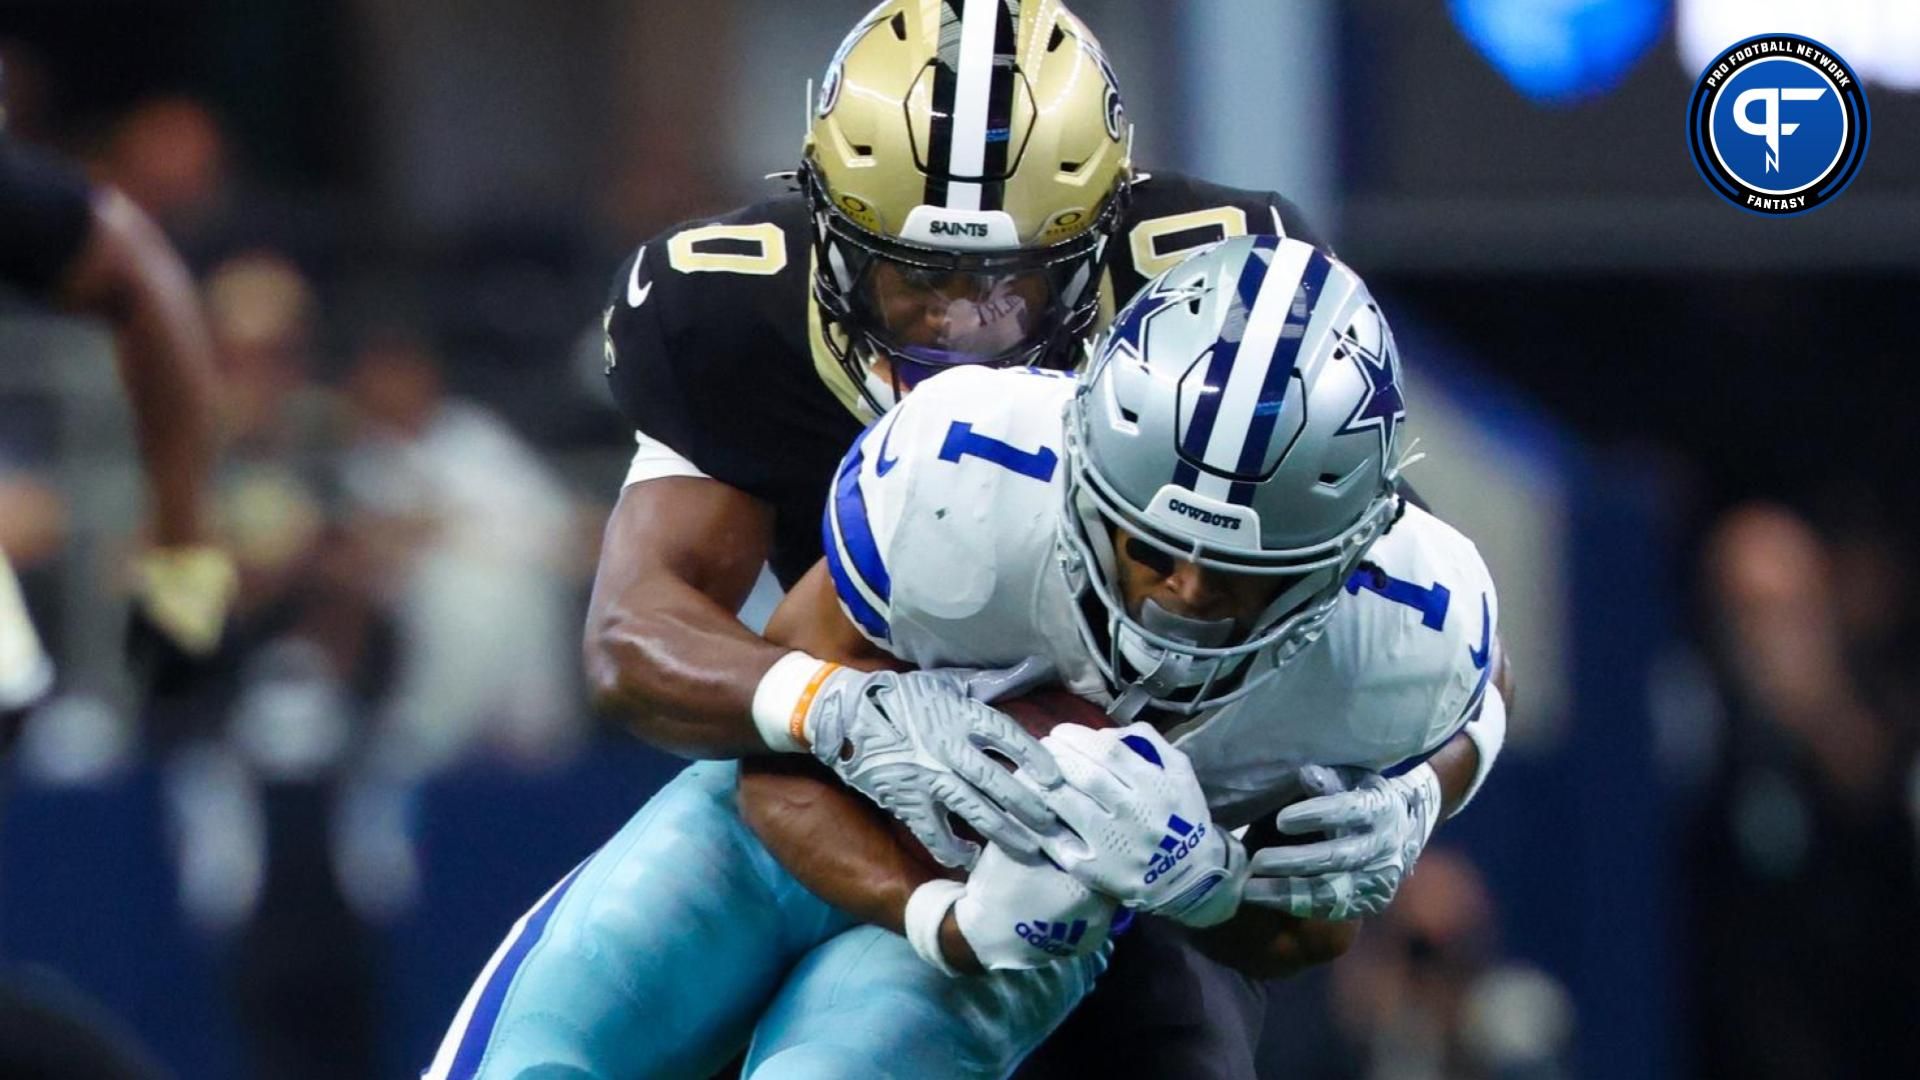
(1383, 407)
(1127, 336)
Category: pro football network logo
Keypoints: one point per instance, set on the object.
(1778, 124)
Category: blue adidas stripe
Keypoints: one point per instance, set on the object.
(486, 1013)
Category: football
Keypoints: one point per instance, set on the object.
(1043, 710)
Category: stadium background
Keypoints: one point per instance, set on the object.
(1681, 433)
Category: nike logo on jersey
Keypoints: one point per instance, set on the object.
(882, 464)
(636, 292)
(1480, 655)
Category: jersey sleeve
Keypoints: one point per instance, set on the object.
(45, 212)
(936, 512)
(641, 366)
(1457, 660)
(858, 526)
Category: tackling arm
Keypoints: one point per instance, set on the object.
(128, 275)
(836, 843)
(663, 649)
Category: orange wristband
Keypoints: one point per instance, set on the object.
(797, 723)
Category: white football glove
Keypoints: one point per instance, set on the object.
(1017, 915)
(1141, 832)
(1378, 827)
(915, 743)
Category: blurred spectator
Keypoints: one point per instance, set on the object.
(1804, 894)
(256, 774)
(481, 539)
(1425, 994)
(170, 156)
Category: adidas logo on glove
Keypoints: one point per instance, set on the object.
(1055, 938)
(1176, 845)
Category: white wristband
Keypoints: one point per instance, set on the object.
(926, 909)
(781, 700)
(1488, 732)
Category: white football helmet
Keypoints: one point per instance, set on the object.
(1242, 413)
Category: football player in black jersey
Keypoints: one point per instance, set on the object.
(92, 252)
(965, 196)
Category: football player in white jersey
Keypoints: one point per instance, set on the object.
(1205, 533)
(684, 937)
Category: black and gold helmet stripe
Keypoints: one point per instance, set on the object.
(971, 126)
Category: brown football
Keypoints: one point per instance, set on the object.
(1043, 710)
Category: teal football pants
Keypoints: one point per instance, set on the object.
(682, 941)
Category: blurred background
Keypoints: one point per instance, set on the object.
(1681, 434)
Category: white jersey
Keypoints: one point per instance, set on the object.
(941, 539)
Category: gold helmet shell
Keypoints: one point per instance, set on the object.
(1017, 110)
(978, 138)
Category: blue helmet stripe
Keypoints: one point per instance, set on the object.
(1273, 389)
(1207, 410)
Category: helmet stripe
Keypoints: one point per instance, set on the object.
(1206, 411)
(1273, 387)
(940, 125)
(999, 133)
(973, 89)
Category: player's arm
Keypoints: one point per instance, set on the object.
(1267, 944)
(1376, 824)
(839, 845)
(849, 853)
(663, 649)
(1270, 943)
(127, 274)
(842, 847)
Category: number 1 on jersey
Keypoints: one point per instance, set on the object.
(963, 441)
(1430, 603)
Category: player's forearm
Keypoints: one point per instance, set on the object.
(680, 671)
(129, 275)
(1268, 944)
(1459, 761)
(837, 844)
(1455, 764)
(662, 648)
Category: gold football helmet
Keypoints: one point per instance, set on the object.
(965, 163)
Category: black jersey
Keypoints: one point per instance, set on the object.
(715, 348)
(44, 209)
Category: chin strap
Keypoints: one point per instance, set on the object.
(1165, 672)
